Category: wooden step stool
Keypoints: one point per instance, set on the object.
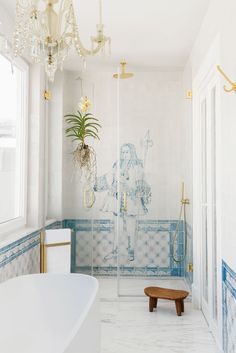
(155, 293)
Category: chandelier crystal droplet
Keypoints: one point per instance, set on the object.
(47, 29)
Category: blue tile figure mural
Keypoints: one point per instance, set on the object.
(128, 196)
(229, 309)
(123, 235)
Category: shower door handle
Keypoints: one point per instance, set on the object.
(88, 198)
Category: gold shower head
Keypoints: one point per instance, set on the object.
(123, 74)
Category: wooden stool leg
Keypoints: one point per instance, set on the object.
(182, 306)
(178, 307)
(155, 302)
(152, 303)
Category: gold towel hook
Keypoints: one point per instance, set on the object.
(233, 84)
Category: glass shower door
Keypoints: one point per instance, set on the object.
(148, 182)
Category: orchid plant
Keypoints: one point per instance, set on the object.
(82, 126)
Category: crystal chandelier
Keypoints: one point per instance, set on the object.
(47, 29)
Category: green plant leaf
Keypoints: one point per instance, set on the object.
(81, 126)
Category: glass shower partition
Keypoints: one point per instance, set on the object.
(150, 237)
(131, 236)
(94, 250)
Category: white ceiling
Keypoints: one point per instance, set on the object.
(149, 34)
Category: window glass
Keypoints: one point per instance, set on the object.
(11, 141)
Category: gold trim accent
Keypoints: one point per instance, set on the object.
(190, 267)
(123, 74)
(43, 251)
(47, 95)
(233, 84)
(42, 237)
(189, 94)
(54, 245)
(88, 203)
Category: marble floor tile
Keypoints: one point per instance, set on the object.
(128, 327)
(109, 286)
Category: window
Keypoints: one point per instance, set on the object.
(13, 142)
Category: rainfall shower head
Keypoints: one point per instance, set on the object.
(123, 74)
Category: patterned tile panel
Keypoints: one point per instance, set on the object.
(22, 257)
(94, 248)
(229, 309)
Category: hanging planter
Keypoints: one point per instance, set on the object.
(82, 126)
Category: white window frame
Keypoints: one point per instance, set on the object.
(21, 220)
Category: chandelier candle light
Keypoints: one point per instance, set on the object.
(47, 29)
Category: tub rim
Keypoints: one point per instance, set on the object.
(78, 323)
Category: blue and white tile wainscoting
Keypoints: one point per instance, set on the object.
(93, 244)
(94, 240)
(22, 257)
(229, 309)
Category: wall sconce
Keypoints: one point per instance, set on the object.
(233, 84)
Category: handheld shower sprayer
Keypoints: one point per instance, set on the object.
(184, 201)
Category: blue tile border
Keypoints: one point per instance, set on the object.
(229, 308)
(10, 252)
(18, 242)
(17, 248)
(127, 271)
(229, 278)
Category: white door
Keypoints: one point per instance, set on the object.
(208, 101)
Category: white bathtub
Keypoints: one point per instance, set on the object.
(51, 313)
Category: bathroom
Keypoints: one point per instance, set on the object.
(154, 206)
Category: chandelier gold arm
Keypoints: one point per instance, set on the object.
(47, 34)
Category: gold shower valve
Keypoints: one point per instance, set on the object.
(185, 201)
(190, 267)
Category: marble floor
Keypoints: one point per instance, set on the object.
(131, 286)
(128, 327)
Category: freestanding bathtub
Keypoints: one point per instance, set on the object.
(49, 313)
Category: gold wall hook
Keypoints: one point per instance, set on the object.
(233, 84)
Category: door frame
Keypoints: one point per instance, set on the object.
(206, 74)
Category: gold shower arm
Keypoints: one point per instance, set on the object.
(233, 84)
